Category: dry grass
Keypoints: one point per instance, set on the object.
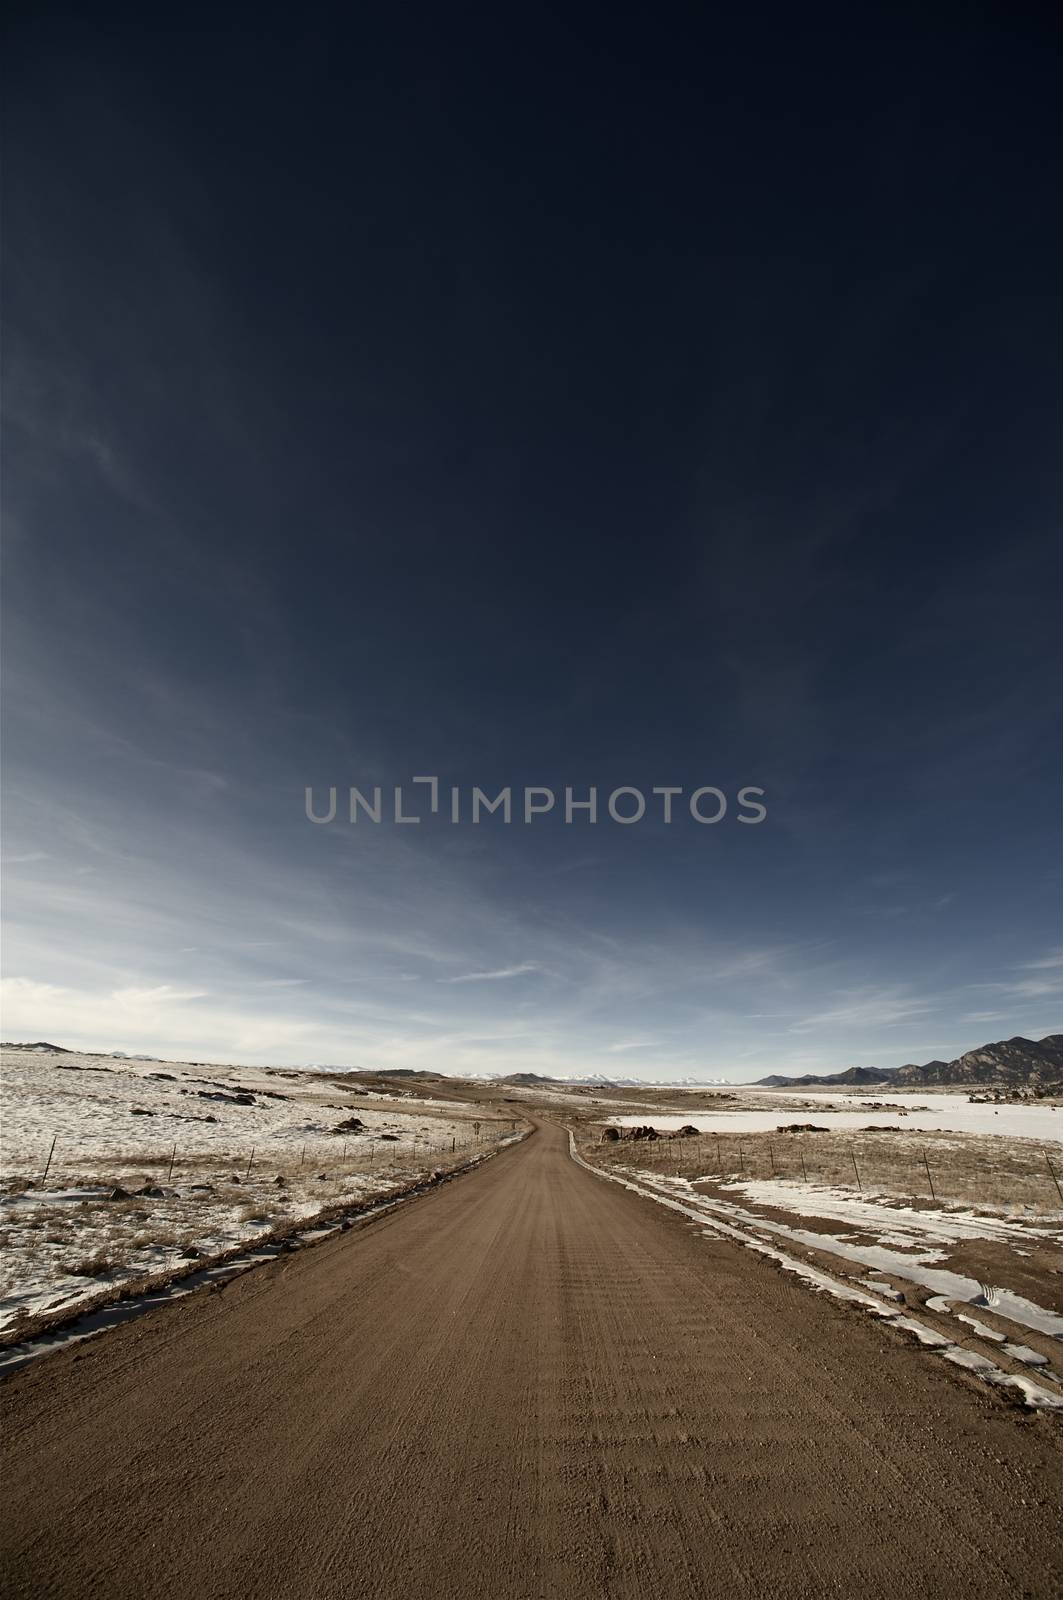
(94, 1266)
(132, 1281)
(964, 1169)
(207, 1202)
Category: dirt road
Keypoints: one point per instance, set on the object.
(529, 1383)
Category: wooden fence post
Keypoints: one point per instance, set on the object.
(929, 1179)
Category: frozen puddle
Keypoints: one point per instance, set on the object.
(716, 1219)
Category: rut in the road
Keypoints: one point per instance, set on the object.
(529, 1383)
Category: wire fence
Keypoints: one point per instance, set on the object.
(950, 1169)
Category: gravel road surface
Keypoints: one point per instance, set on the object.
(529, 1383)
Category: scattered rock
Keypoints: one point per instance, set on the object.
(800, 1127)
(351, 1125)
(393, 1137)
(611, 1133)
(118, 1193)
(243, 1099)
(688, 1131)
(139, 1111)
(279, 1181)
(190, 1253)
(235, 1178)
(151, 1191)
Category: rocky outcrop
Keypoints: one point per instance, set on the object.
(1034, 1063)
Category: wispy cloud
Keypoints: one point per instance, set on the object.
(867, 1008)
(1051, 983)
(1054, 959)
(499, 972)
(167, 992)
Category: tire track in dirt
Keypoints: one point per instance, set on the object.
(529, 1383)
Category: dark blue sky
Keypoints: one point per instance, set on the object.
(653, 400)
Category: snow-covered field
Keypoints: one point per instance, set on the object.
(97, 1107)
(914, 1113)
(156, 1164)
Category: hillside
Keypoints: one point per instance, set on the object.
(858, 1075)
(1031, 1063)
(1011, 1061)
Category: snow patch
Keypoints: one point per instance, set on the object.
(711, 1218)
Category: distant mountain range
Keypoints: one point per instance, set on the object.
(1010, 1061)
(1033, 1063)
(598, 1080)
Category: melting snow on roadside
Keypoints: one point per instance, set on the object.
(151, 1165)
(894, 1224)
(719, 1218)
(913, 1266)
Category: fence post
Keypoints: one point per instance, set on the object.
(173, 1158)
(929, 1179)
(1052, 1170)
(856, 1169)
(804, 1174)
(771, 1156)
(250, 1158)
(48, 1163)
